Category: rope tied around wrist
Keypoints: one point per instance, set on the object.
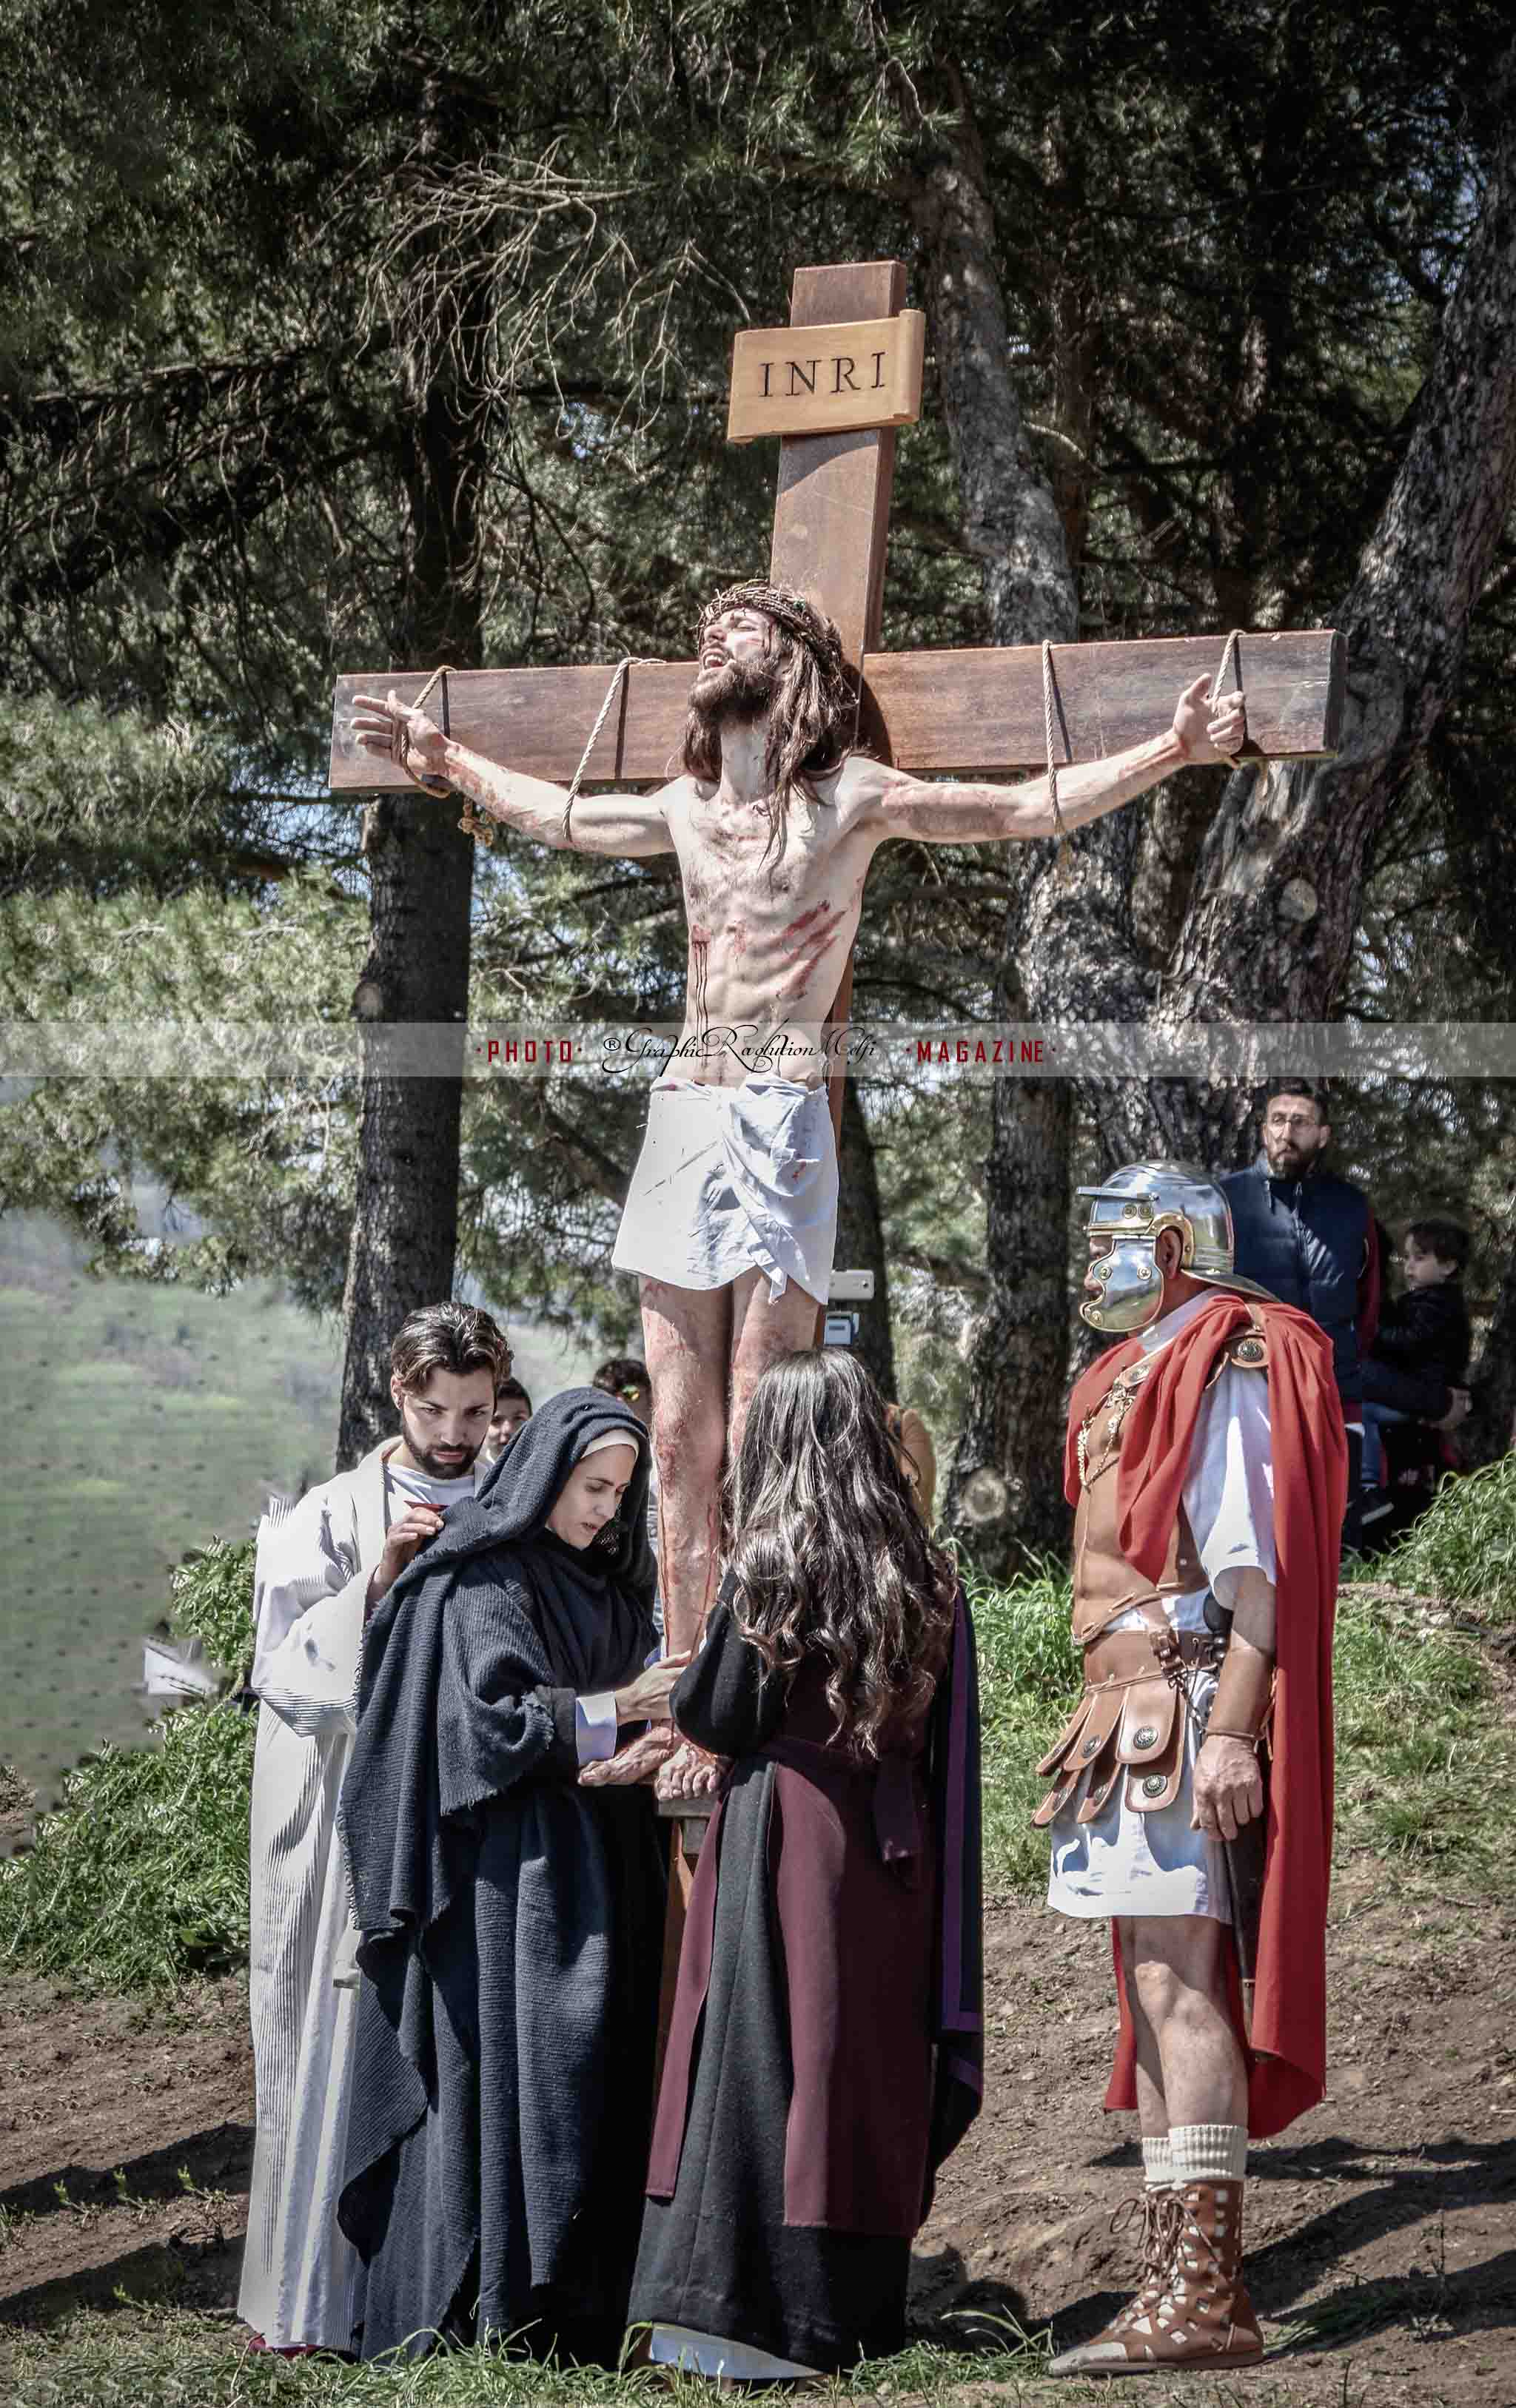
(1219, 686)
(1229, 652)
(619, 675)
(437, 788)
(1230, 656)
(473, 822)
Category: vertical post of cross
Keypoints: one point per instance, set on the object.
(831, 510)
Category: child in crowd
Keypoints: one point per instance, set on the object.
(513, 1411)
(1420, 1353)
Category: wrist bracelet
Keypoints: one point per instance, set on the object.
(1221, 1730)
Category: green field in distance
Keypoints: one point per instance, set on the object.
(146, 1419)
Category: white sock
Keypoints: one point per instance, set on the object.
(1158, 2163)
(1209, 2152)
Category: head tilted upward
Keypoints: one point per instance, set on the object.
(797, 680)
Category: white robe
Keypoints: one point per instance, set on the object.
(313, 1566)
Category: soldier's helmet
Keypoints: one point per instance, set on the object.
(1130, 1211)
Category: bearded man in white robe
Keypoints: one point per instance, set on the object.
(322, 1568)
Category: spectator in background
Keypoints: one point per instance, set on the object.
(1308, 1237)
(626, 1376)
(1419, 1360)
(513, 1410)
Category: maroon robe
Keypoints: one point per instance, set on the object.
(824, 2052)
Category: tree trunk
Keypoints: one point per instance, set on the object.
(1489, 1430)
(1268, 929)
(406, 1221)
(420, 865)
(1003, 1500)
(860, 1241)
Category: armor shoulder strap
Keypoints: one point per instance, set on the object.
(1248, 1348)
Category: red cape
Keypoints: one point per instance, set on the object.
(1287, 2060)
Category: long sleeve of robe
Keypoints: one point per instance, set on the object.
(311, 1578)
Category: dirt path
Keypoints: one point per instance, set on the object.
(1382, 2228)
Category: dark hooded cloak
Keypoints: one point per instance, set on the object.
(511, 1921)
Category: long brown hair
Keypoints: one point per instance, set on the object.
(812, 709)
(828, 1550)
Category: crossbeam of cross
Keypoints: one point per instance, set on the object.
(983, 712)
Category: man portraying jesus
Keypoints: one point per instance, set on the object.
(731, 1216)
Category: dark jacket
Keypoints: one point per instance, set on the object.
(1421, 1351)
(1304, 1239)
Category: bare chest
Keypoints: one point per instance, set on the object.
(774, 909)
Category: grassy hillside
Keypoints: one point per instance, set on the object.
(145, 1419)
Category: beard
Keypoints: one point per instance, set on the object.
(1287, 1156)
(736, 689)
(436, 1467)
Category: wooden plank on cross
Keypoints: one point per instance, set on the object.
(832, 523)
(944, 714)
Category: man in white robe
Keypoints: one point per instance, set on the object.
(320, 1569)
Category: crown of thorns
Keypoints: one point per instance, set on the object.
(788, 609)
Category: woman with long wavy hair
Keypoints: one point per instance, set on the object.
(825, 2050)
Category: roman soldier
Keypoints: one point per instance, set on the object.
(1190, 1798)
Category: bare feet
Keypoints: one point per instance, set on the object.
(638, 1762)
(689, 1773)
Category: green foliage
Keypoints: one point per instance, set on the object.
(175, 2359)
(1426, 1756)
(213, 1592)
(1463, 1547)
(139, 1878)
(1028, 1683)
(261, 1140)
(154, 1415)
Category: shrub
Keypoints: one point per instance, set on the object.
(1463, 1547)
(139, 1875)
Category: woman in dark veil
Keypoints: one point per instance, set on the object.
(511, 1920)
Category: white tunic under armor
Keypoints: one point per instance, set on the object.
(1126, 1862)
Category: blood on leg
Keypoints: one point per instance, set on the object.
(763, 1330)
(685, 1339)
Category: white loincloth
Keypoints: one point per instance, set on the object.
(1126, 1862)
(731, 1180)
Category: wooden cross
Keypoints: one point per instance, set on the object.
(938, 713)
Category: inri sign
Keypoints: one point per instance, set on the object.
(826, 380)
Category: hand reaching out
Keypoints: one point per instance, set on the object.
(408, 737)
(1207, 733)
